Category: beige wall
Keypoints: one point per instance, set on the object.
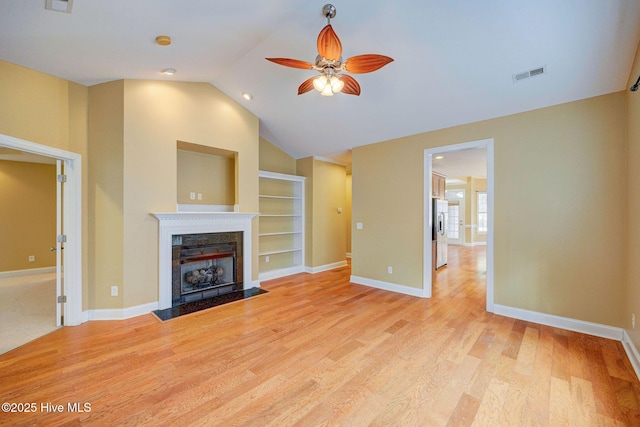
(138, 120)
(28, 215)
(209, 175)
(304, 168)
(325, 192)
(146, 125)
(273, 159)
(632, 294)
(105, 163)
(157, 114)
(324, 242)
(50, 111)
(329, 232)
(557, 170)
(347, 209)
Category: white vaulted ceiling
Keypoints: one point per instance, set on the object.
(454, 59)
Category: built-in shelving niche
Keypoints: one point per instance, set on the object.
(206, 178)
(281, 231)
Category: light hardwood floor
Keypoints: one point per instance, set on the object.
(318, 350)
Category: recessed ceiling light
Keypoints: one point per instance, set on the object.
(59, 5)
(247, 96)
(439, 157)
(169, 71)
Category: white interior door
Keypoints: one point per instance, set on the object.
(59, 247)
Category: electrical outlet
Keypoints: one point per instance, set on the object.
(192, 195)
(32, 258)
(266, 259)
(633, 321)
(390, 270)
(358, 226)
(114, 291)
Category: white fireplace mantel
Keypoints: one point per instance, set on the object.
(176, 223)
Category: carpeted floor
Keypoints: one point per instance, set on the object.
(28, 309)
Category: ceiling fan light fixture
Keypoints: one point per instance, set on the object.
(336, 84)
(327, 86)
(319, 83)
(327, 91)
(329, 63)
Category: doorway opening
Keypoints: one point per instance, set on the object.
(69, 207)
(429, 155)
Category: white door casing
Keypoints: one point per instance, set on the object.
(71, 203)
(429, 153)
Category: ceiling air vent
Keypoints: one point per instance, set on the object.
(59, 5)
(530, 73)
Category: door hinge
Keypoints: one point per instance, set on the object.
(62, 238)
(62, 299)
(62, 178)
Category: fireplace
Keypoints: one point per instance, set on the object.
(173, 226)
(205, 265)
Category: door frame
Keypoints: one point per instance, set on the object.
(71, 220)
(429, 153)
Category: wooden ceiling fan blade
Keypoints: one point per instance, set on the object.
(366, 63)
(351, 86)
(293, 63)
(329, 45)
(306, 86)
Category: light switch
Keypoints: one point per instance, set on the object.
(358, 225)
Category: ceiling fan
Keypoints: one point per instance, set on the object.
(330, 65)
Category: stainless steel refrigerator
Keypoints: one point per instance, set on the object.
(440, 217)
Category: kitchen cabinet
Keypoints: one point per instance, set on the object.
(438, 183)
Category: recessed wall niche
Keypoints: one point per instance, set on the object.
(206, 177)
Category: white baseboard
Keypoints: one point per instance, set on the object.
(120, 313)
(268, 275)
(388, 286)
(27, 272)
(348, 254)
(314, 270)
(582, 326)
(129, 312)
(632, 352)
(476, 244)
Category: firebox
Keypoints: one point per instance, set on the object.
(205, 265)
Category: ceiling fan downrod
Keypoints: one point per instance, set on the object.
(329, 12)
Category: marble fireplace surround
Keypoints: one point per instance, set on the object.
(176, 223)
